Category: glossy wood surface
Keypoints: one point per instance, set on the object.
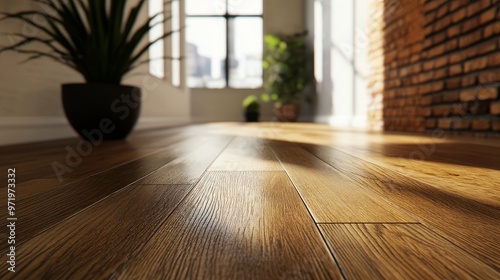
(257, 201)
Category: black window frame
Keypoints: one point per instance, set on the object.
(227, 17)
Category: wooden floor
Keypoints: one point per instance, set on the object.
(255, 201)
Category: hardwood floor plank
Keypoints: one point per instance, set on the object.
(247, 154)
(40, 165)
(465, 166)
(466, 177)
(332, 197)
(100, 239)
(35, 187)
(400, 251)
(236, 225)
(470, 224)
(188, 168)
(42, 211)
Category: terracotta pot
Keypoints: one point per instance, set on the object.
(287, 112)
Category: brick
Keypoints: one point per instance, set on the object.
(451, 97)
(414, 58)
(468, 81)
(442, 24)
(468, 95)
(457, 57)
(459, 15)
(455, 69)
(444, 123)
(430, 17)
(495, 108)
(442, 11)
(486, 47)
(459, 109)
(432, 5)
(483, 124)
(416, 48)
(470, 52)
(489, 77)
(495, 125)
(470, 39)
(437, 98)
(439, 38)
(453, 31)
(437, 86)
(455, 5)
(424, 77)
(488, 15)
(442, 61)
(424, 89)
(470, 24)
(460, 123)
(430, 123)
(476, 64)
(439, 74)
(453, 83)
(487, 93)
(424, 112)
(443, 110)
(494, 60)
(492, 29)
(428, 65)
(473, 8)
(425, 100)
(436, 51)
(451, 45)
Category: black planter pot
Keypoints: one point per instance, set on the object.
(101, 111)
(252, 116)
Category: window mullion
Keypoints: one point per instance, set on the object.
(227, 47)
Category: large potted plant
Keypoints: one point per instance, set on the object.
(100, 39)
(286, 74)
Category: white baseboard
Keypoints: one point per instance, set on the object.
(20, 130)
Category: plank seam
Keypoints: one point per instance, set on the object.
(325, 243)
(193, 186)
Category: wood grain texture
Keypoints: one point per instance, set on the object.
(332, 197)
(100, 239)
(470, 224)
(41, 211)
(247, 154)
(464, 173)
(35, 187)
(255, 224)
(236, 225)
(400, 251)
(190, 165)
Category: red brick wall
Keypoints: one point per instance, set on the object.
(441, 66)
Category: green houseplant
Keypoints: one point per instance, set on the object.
(286, 74)
(100, 39)
(251, 106)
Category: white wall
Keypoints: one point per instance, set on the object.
(30, 99)
(280, 16)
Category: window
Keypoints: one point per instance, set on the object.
(168, 49)
(156, 52)
(224, 43)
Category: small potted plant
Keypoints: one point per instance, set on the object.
(286, 74)
(103, 41)
(252, 106)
